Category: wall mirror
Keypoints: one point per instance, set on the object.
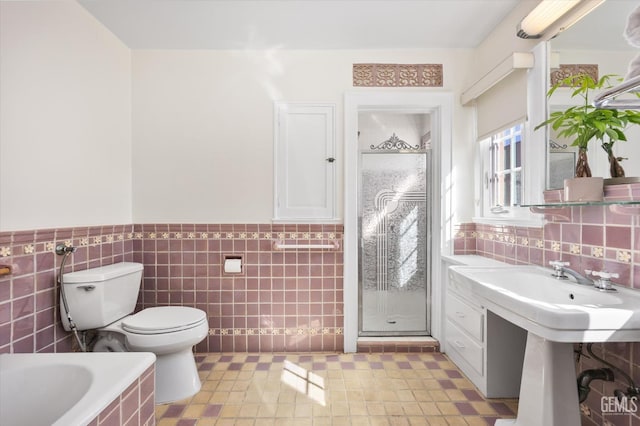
(596, 42)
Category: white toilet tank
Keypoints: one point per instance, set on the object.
(99, 296)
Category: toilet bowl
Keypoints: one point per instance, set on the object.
(102, 299)
(170, 332)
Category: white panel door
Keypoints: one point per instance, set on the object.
(304, 162)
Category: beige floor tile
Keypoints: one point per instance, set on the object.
(430, 409)
(303, 410)
(236, 397)
(456, 421)
(218, 397)
(418, 421)
(447, 408)
(249, 410)
(376, 409)
(201, 397)
(411, 408)
(225, 385)
(405, 395)
(455, 395)
(226, 422)
(267, 410)
(379, 421)
(358, 409)
(393, 408)
(206, 421)
(475, 421)
(359, 421)
(230, 410)
(328, 394)
(160, 410)
(193, 411)
(483, 408)
(437, 421)
(285, 410)
(244, 422)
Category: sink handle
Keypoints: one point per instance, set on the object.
(604, 283)
(605, 275)
(557, 264)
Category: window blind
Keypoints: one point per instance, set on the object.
(503, 105)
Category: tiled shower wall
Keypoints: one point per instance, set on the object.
(284, 300)
(593, 237)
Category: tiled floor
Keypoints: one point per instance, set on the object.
(333, 389)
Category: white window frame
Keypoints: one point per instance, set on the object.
(487, 211)
(497, 170)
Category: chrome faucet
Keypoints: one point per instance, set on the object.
(601, 281)
(560, 269)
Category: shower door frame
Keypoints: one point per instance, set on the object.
(428, 154)
(441, 105)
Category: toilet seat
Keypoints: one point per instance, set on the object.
(163, 319)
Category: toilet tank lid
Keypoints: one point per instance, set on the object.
(102, 273)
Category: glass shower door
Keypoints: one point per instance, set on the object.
(394, 243)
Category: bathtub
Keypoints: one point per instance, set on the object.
(64, 388)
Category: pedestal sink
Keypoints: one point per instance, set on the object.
(556, 314)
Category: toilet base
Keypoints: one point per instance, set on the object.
(176, 376)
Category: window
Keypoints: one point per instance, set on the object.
(502, 161)
(505, 173)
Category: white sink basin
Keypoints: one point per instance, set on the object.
(558, 310)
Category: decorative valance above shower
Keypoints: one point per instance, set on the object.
(394, 143)
(397, 75)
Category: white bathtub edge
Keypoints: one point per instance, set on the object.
(112, 374)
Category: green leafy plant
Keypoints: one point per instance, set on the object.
(585, 122)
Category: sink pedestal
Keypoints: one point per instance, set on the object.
(548, 390)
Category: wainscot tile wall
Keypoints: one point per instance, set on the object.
(284, 300)
(134, 407)
(29, 315)
(592, 237)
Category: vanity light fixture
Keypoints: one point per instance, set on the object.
(555, 14)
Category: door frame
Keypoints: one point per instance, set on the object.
(440, 106)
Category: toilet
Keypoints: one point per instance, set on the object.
(103, 299)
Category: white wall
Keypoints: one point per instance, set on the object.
(65, 114)
(203, 125)
(378, 127)
(501, 42)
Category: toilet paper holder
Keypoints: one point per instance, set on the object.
(232, 264)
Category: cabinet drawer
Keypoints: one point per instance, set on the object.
(467, 317)
(469, 350)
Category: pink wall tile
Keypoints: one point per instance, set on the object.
(587, 243)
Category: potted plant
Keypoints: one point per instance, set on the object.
(585, 122)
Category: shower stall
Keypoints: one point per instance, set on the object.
(394, 224)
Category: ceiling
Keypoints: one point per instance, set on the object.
(299, 24)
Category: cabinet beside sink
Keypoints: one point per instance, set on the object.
(488, 349)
